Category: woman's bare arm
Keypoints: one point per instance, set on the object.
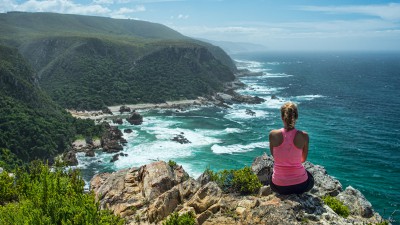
(305, 147)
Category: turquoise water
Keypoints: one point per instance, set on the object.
(348, 103)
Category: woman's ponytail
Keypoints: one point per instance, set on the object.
(289, 114)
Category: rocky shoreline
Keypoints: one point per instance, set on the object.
(148, 194)
(223, 99)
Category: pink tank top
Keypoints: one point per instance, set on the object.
(288, 169)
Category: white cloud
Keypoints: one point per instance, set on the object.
(181, 16)
(390, 11)
(123, 13)
(60, 6)
(103, 2)
(125, 10)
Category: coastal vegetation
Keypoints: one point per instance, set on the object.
(241, 180)
(32, 125)
(87, 63)
(337, 206)
(36, 194)
(184, 219)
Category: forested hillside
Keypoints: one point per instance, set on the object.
(86, 62)
(32, 126)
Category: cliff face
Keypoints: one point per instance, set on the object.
(86, 62)
(147, 195)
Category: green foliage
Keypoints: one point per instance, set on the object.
(32, 125)
(172, 163)
(8, 160)
(385, 222)
(337, 206)
(92, 62)
(49, 196)
(7, 191)
(241, 180)
(184, 219)
(246, 181)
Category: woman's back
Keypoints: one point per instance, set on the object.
(288, 169)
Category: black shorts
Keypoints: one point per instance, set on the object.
(294, 189)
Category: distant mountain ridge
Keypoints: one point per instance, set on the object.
(86, 62)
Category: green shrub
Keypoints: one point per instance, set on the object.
(380, 223)
(245, 180)
(184, 219)
(242, 180)
(50, 196)
(337, 206)
(172, 163)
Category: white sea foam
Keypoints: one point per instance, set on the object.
(240, 114)
(145, 153)
(307, 97)
(254, 89)
(253, 66)
(275, 75)
(237, 148)
(233, 130)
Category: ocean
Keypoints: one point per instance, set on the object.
(349, 103)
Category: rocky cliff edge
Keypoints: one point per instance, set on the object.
(147, 195)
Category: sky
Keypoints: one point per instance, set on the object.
(284, 25)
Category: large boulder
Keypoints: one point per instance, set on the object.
(262, 166)
(356, 202)
(70, 158)
(135, 119)
(324, 184)
(124, 109)
(111, 140)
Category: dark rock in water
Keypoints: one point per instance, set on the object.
(123, 141)
(128, 131)
(110, 141)
(250, 112)
(112, 146)
(124, 108)
(106, 110)
(114, 158)
(181, 139)
(123, 154)
(70, 158)
(90, 153)
(118, 121)
(135, 119)
(274, 97)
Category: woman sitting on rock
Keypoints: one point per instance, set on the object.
(289, 147)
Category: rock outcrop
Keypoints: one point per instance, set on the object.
(135, 119)
(147, 195)
(112, 139)
(181, 139)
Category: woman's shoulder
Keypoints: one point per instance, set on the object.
(302, 134)
(275, 132)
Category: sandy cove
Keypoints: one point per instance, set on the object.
(98, 115)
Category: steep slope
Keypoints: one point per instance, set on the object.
(86, 62)
(32, 125)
